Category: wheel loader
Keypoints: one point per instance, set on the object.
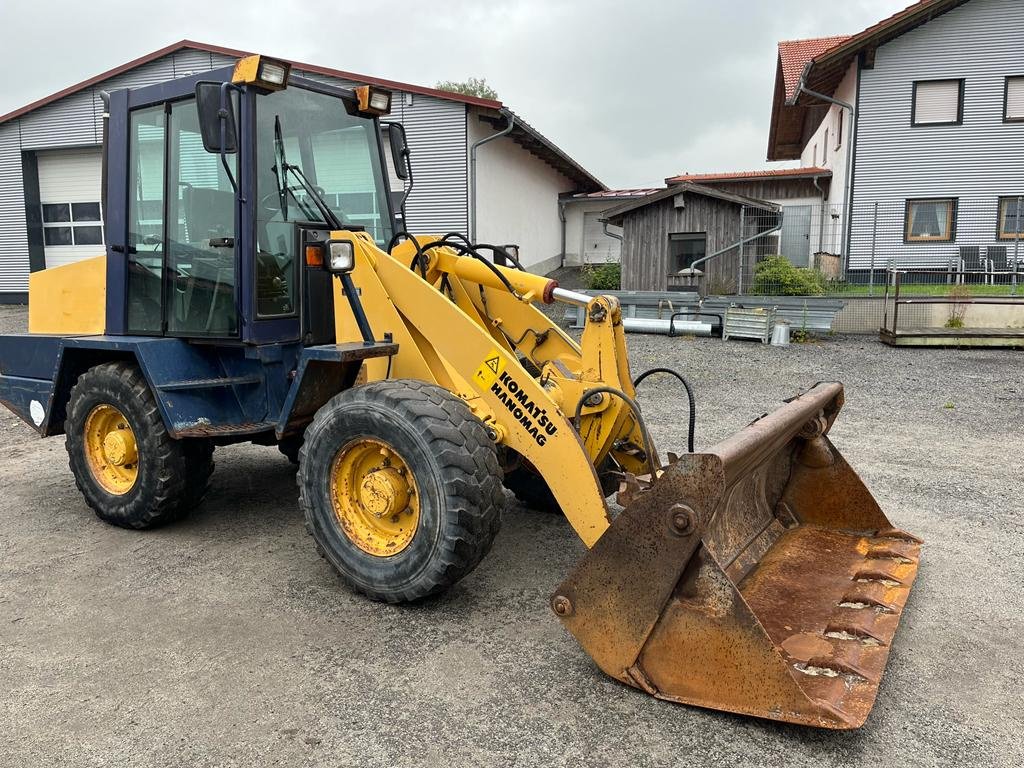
(257, 286)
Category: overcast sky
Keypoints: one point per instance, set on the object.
(634, 91)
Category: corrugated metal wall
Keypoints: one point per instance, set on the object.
(976, 162)
(436, 130)
(13, 238)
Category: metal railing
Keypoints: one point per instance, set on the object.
(958, 296)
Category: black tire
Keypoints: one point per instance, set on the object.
(455, 467)
(532, 490)
(198, 471)
(173, 475)
(290, 447)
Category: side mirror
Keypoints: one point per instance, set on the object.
(216, 121)
(399, 150)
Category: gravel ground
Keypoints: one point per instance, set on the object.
(225, 639)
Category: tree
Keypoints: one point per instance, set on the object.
(471, 86)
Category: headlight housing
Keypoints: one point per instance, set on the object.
(373, 100)
(341, 256)
(262, 72)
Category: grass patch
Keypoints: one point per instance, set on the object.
(925, 289)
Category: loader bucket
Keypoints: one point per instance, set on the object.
(759, 578)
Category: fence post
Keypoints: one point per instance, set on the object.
(896, 300)
(874, 239)
(1016, 249)
(743, 234)
(885, 300)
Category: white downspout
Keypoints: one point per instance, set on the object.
(801, 88)
(510, 119)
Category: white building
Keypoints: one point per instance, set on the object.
(50, 160)
(586, 239)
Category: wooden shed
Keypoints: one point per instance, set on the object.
(666, 232)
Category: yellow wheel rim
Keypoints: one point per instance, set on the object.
(374, 497)
(111, 450)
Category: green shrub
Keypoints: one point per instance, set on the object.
(776, 275)
(603, 277)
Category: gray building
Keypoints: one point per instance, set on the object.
(928, 170)
(50, 160)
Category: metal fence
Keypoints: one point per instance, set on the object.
(946, 242)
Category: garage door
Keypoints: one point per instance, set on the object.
(69, 190)
(598, 248)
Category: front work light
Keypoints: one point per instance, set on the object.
(373, 100)
(341, 256)
(262, 72)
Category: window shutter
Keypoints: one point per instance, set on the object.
(937, 101)
(1015, 98)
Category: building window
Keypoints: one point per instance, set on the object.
(930, 221)
(938, 102)
(684, 248)
(814, 157)
(839, 129)
(824, 151)
(1011, 218)
(1013, 100)
(72, 224)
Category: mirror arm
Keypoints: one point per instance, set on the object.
(225, 114)
(407, 188)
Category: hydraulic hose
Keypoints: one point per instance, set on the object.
(689, 394)
(652, 453)
(420, 257)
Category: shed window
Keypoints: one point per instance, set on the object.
(72, 224)
(1014, 107)
(684, 248)
(1011, 218)
(938, 102)
(930, 221)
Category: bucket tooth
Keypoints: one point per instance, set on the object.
(895, 533)
(860, 629)
(858, 601)
(882, 572)
(839, 666)
(900, 551)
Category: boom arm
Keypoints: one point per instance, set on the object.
(471, 328)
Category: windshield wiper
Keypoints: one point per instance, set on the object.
(280, 163)
(329, 216)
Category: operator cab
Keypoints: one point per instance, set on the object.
(230, 175)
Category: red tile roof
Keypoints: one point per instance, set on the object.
(773, 173)
(794, 55)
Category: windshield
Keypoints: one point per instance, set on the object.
(304, 136)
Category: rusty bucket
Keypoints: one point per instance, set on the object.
(760, 578)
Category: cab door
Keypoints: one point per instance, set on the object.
(183, 214)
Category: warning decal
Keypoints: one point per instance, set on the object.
(489, 371)
(491, 376)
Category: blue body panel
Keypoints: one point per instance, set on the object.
(203, 390)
